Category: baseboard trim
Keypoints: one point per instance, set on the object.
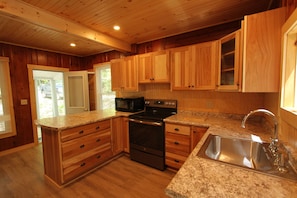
(16, 149)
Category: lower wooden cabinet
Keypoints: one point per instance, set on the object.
(72, 152)
(180, 140)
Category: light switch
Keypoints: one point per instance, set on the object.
(24, 101)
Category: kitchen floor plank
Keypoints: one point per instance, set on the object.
(21, 175)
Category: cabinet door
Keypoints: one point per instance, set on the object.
(262, 51)
(180, 63)
(129, 74)
(117, 136)
(116, 74)
(229, 62)
(196, 135)
(160, 66)
(125, 127)
(145, 72)
(203, 65)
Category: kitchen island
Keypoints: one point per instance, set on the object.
(200, 177)
(75, 144)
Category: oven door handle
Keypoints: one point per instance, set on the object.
(146, 122)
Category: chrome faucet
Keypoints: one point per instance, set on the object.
(274, 137)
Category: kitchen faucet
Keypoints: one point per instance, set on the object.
(274, 137)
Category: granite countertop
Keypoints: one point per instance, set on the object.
(200, 177)
(78, 119)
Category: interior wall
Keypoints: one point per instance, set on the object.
(19, 57)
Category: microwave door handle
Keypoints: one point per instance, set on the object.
(146, 122)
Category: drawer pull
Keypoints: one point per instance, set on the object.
(98, 127)
(82, 146)
(177, 161)
(81, 132)
(82, 164)
(99, 156)
(177, 143)
(98, 140)
(176, 129)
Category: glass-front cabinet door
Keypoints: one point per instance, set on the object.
(229, 56)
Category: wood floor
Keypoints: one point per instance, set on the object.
(21, 175)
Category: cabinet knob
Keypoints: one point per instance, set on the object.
(81, 132)
(176, 143)
(98, 127)
(82, 164)
(98, 140)
(176, 129)
(98, 156)
(82, 146)
(176, 161)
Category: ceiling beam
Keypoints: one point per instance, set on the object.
(23, 12)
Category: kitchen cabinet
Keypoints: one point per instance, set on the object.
(125, 127)
(117, 135)
(154, 67)
(124, 74)
(197, 133)
(180, 140)
(262, 51)
(230, 62)
(177, 144)
(193, 67)
(72, 152)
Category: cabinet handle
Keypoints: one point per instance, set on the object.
(177, 143)
(176, 129)
(98, 140)
(82, 146)
(82, 164)
(98, 127)
(99, 156)
(176, 161)
(81, 132)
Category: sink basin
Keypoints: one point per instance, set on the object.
(244, 153)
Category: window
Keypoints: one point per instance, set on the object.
(7, 122)
(105, 97)
(289, 76)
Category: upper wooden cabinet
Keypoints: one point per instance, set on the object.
(193, 67)
(230, 62)
(154, 67)
(124, 74)
(262, 51)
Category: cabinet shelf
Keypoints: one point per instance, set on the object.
(227, 70)
(228, 54)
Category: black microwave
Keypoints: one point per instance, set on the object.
(129, 104)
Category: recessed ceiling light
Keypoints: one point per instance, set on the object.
(116, 27)
(72, 44)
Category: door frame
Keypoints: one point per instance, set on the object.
(32, 67)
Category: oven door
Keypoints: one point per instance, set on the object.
(147, 136)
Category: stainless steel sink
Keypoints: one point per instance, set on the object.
(244, 153)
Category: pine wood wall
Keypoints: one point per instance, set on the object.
(19, 57)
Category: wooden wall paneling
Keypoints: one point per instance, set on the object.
(19, 57)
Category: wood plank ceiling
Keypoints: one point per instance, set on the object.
(53, 24)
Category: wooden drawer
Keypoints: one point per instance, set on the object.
(69, 134)
(178, 129)
(76, 166)
(174, 161)
(88, 142)
(179, 144)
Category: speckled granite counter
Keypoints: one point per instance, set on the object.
(200, 177)
(78, 119)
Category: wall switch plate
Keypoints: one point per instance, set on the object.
(24, 101)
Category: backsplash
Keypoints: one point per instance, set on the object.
(205, 101)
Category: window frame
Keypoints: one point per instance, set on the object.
(288, 93)
(10, 109)
(97, 67)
